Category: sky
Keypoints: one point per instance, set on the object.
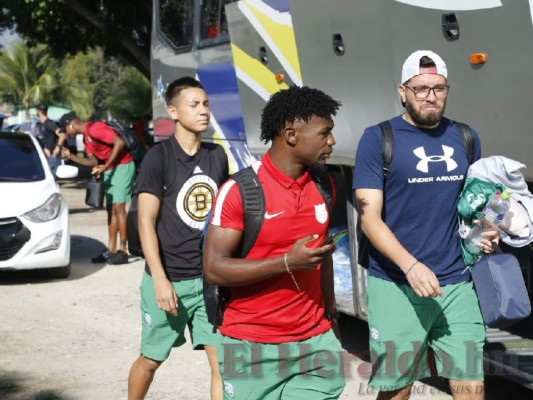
(6, 37)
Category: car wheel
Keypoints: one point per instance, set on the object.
(60, 273)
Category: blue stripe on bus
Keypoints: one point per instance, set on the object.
(279, 5)
(220, 83)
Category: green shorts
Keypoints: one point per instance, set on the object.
(403, 326)
(162, 331)
(308, 369)
(118, 183)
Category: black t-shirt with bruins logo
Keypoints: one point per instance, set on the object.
(185, 203)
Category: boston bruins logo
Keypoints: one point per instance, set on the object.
(195, 200)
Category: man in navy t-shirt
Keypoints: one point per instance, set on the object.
(419, 294)
(50, 141)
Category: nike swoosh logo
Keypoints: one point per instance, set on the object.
(270, 216)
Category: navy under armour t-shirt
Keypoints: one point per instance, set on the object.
(421, 194)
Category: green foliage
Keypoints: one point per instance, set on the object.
(130, 97)
(89, 83)
(27, 75)
(86, 81)
(77, 89)
(121, 27)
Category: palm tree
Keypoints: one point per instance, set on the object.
(131, 97)
(27, 74)
(87, 80)
(77, 89)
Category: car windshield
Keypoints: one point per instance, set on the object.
(19, 159)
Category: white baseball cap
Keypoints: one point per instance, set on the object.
(411, 66)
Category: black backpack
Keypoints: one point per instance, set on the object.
(132, 220)
(253, 201)
(131, 141)
(363, 244)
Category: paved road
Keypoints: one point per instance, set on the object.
(75, 339)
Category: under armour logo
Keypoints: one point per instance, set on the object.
(423, 164)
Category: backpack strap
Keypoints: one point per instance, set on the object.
(388, 143)
(218, 156)
(170, 166)
(387, 146)
(468, 140)
(96, 139)
(253, 202)
(363, 244)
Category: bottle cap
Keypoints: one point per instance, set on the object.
(506, 194)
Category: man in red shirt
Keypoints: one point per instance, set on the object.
(277, 326)
(106, 155)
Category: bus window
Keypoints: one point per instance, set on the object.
(213, 19)
(175, 21)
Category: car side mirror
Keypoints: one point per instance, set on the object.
(64, 171)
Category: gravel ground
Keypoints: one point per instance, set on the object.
(77, 338)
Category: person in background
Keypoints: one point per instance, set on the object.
(420, 293)
(50, 140)
(282, 312)
(172, 207)
(108, 157)
(140, 127)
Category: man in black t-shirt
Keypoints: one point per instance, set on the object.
(174, 199)
(50, 141)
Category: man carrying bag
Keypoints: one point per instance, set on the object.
(104, 144)
(497, 277)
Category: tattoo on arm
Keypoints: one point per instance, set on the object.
(360, 205)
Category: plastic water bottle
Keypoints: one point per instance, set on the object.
(497, 206)
(494, 212)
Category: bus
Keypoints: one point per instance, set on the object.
(244, 51)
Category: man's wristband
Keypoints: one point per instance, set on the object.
(286, 261)
(410, 268)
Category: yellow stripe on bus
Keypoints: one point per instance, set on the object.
(260, 74)
(281, 35)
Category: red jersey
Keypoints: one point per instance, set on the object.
(98, 138)
(274, 310)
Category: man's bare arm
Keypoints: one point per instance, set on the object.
(148, 210)
(420, 277)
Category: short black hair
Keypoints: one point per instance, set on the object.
(175, 87)
(427, 62)
(67, 119)
(294, 103)
(42, 107)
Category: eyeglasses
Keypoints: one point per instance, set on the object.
(422, 92)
